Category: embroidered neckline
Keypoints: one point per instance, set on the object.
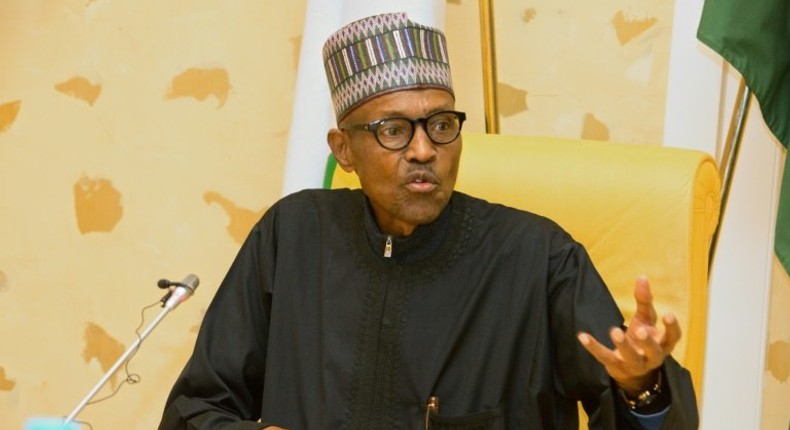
(429, 243)
(420, 258)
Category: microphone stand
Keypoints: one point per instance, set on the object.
(171, 300)
(129, 351)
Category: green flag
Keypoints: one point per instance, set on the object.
(754, 37)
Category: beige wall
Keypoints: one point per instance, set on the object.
(596, 70)
(141, 140)
(138, 140)
(776, 393)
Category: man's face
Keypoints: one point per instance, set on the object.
(406, 187)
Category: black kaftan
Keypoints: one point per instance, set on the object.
(313, 328)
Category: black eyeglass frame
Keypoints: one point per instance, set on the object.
(373, 128)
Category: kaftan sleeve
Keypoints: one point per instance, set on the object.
(221, 385)
(580, 301)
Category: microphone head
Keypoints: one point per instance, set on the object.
(183, 291)
(191, 282)
(163, 283)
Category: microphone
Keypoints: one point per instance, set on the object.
(165, 284)
(183, 290)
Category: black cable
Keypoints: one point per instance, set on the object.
(84, 423)
(131, 378)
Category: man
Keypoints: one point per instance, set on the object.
(407, 305)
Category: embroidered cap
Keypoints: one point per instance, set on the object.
(380, 54)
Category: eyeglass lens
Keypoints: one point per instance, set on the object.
(441, 127)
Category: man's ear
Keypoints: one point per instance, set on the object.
(340, 146)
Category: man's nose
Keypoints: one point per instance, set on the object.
(421, 149)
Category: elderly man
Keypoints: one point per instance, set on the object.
(407, 305)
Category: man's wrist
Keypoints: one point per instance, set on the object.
(636, 386)
(650, 399)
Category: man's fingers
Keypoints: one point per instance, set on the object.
(672, 333)
(648, 345)
(629, 350)
(601, 353)
(645, 311)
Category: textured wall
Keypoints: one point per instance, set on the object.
(776, 392)
(141, 139)
(138, 140)
(570, 68)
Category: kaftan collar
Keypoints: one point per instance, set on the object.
(424, 243)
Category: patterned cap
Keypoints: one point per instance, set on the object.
(380, 54)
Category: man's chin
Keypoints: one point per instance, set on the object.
(426, 214)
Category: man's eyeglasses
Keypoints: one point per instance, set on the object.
(396, 133)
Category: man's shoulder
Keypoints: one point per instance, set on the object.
(318, 199)
(499, 221)
(499, 212)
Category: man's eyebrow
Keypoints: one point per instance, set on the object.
(400, 114)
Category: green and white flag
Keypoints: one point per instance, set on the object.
(754, 37)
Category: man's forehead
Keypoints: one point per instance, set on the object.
(407, 102)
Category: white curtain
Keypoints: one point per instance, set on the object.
(313, 115)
